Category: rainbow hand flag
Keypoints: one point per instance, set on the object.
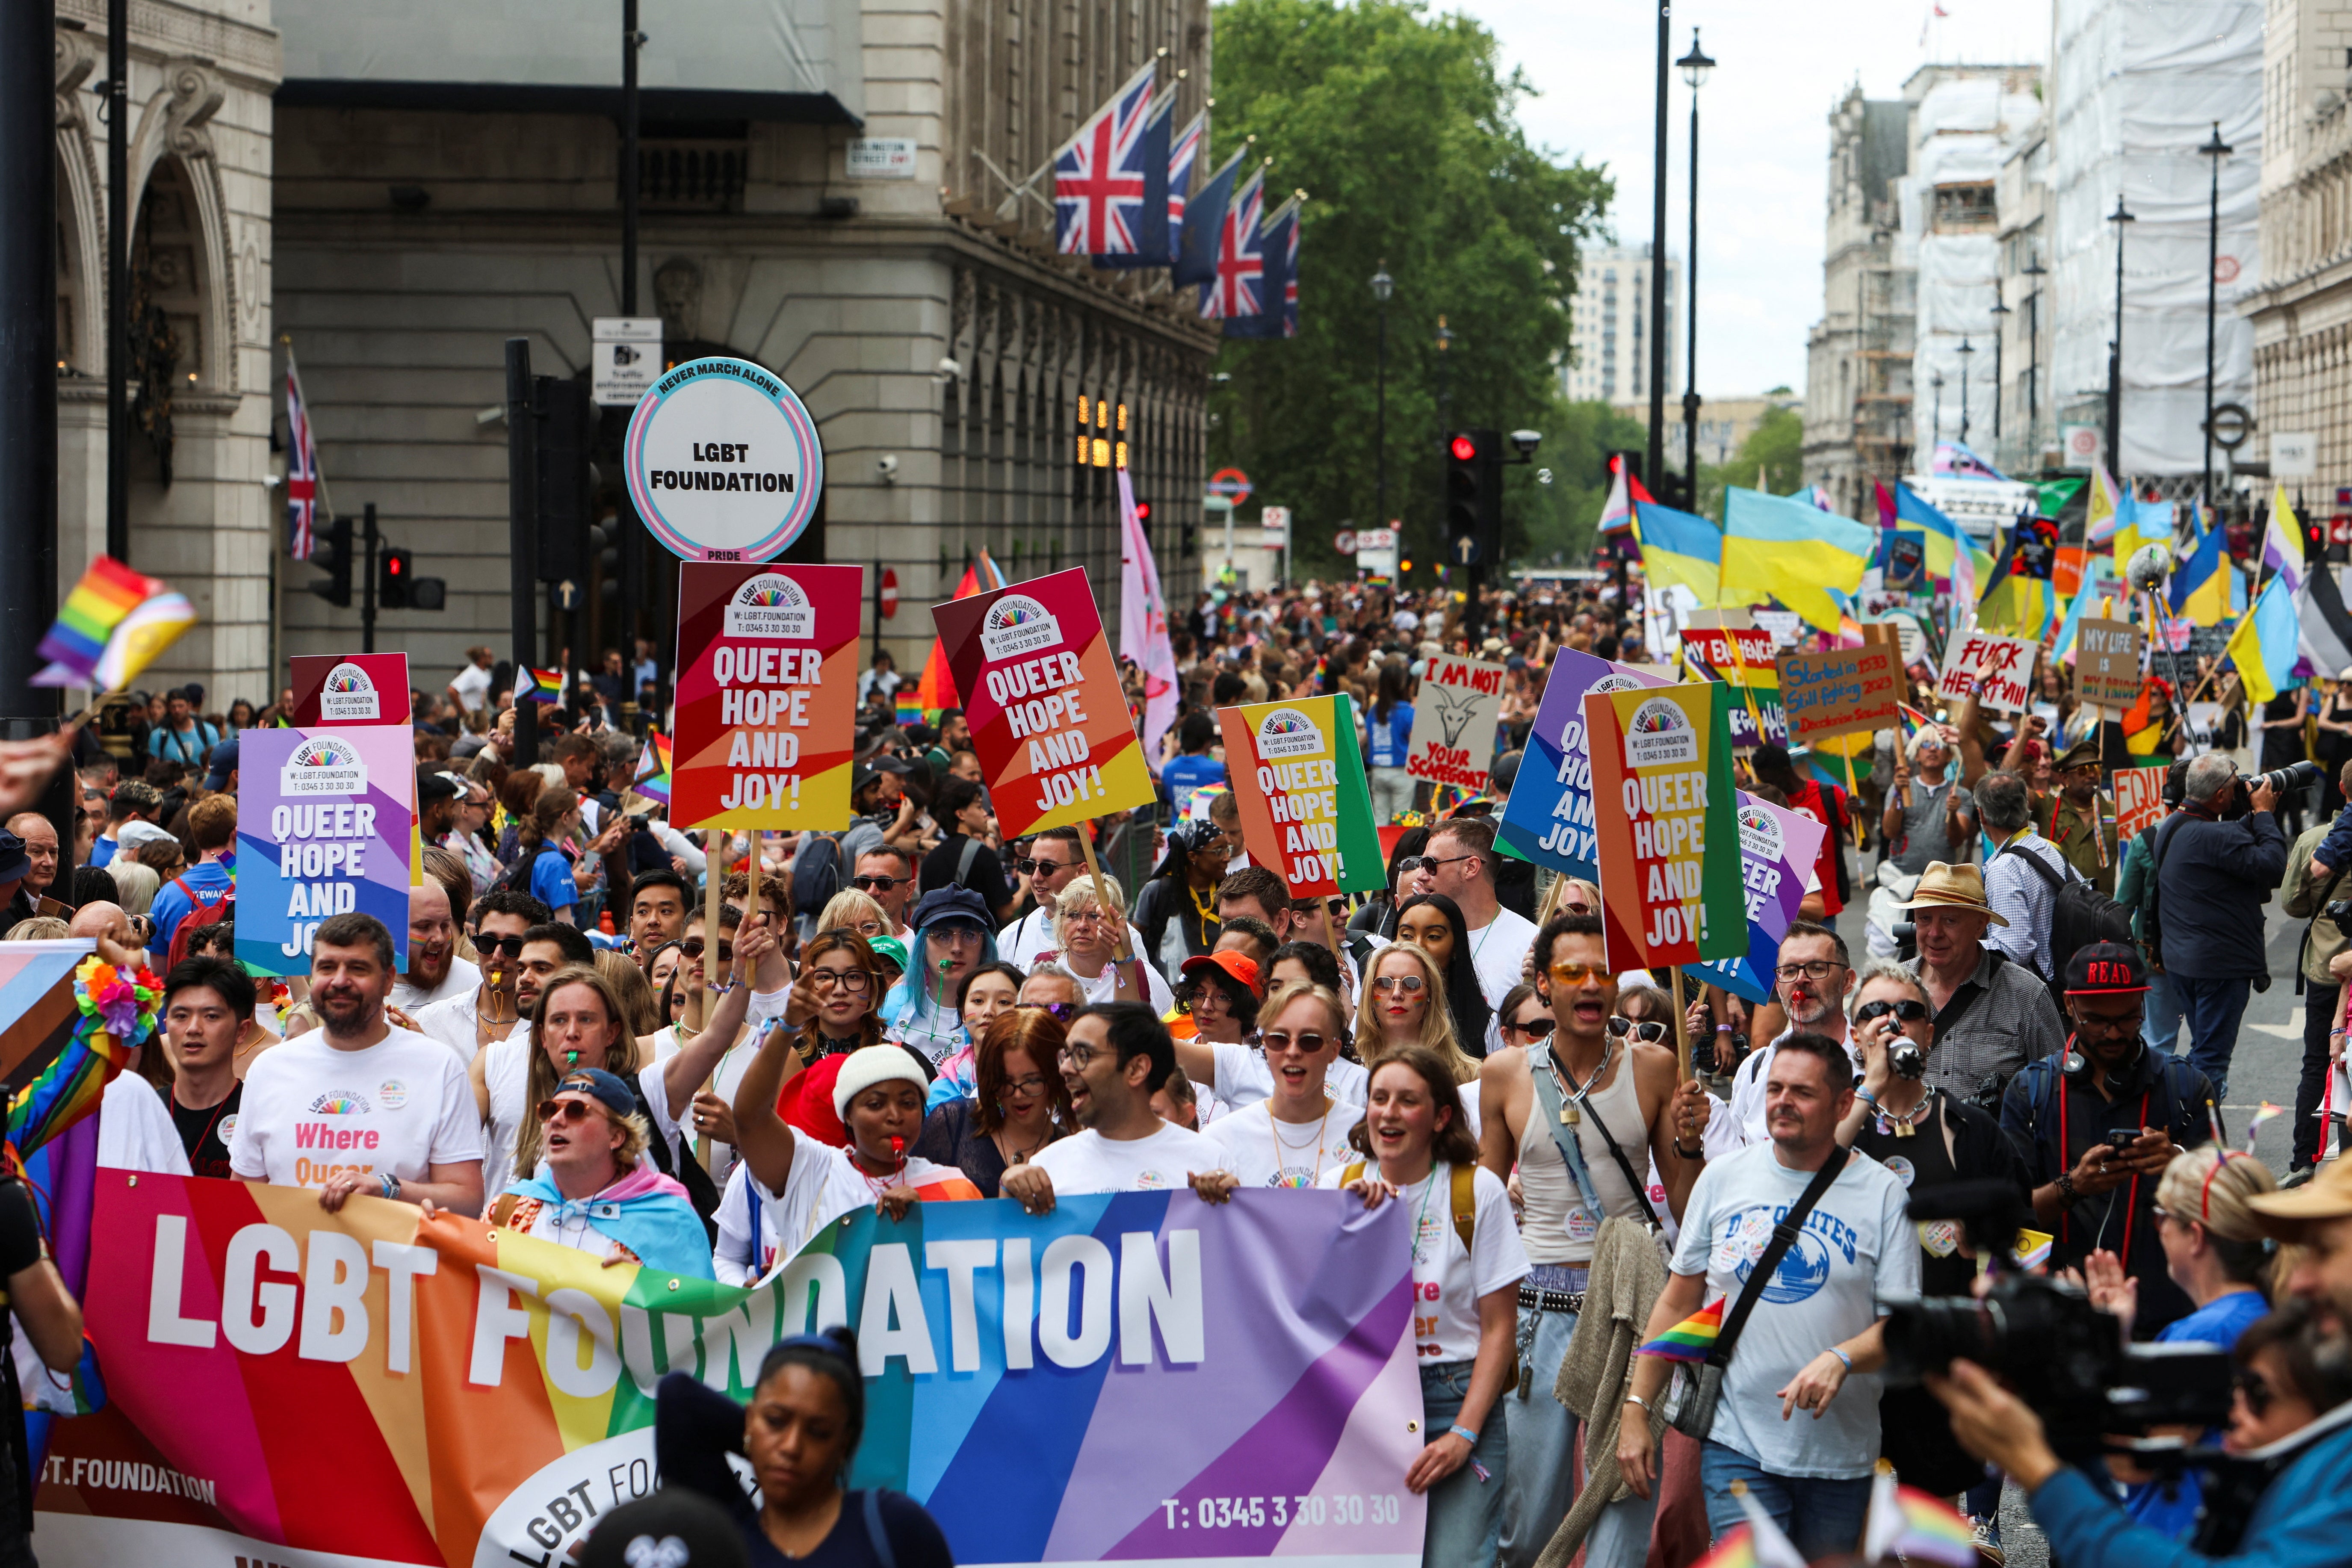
(653, 769)
(112, 626)
(910, 703)
(539, 685)
(1691, 1339)
(1906, 1522)
(2254, 1123)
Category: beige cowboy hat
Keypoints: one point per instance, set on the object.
(1952, 887)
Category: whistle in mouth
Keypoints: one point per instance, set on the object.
(571, 1058)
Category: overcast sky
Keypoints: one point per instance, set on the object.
(1763, 134)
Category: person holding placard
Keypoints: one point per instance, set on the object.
(1291, 1137)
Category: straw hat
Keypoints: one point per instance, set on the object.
(1952, 887)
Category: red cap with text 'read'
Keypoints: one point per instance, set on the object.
(2103, 968)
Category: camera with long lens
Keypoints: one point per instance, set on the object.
(2287, 780)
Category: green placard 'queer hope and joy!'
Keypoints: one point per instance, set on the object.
(1667, 818)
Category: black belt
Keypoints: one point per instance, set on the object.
(1568, 1301)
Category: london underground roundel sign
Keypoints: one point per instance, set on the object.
(723, 461)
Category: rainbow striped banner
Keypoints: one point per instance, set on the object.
(653, 769)
(110, 628)
(1138, 1376)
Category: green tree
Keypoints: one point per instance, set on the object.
(1403, 129)
(1553, 524)
(1777, 447)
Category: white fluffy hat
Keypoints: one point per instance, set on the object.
(870, 1065)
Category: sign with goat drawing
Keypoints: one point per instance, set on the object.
(1454, 720)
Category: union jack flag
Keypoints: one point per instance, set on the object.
(1241, 254)
(1290, 280)
(1099, 176)
(1278, 288)
(1182, 159)
(301, 467)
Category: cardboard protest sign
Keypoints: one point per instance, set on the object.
(1741, 658)
(1842, 691)
(2139, 801)
(2106, 663)
(324, 827)
(408, 1391)
(767, 695)
(1778, 850)
(333, 690)
(1670, 867)
(1548, 817)
(1454, 720)
(1997, 671)
(1042, 696)
(1299, 781)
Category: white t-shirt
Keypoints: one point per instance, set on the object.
(1245, 1077)
(1858, 1247)
(824, 1183)
(136, 1133)
(1020, 943)
(1104, 988)
(1499, 951)
(465, 978)
(1497, 1257)
(1748, 1090)
(1090, 1163)
(402, 1105)
(456, 1023)
(1247, 1140)
(678, 1130)
(472, 687)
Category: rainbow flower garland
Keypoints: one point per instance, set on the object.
(118, 1016)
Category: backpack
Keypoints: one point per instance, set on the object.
(221, 909)
(816, 873)
(1465, 1195)
(2079, 915)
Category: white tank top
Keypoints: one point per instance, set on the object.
(1559, 1227)
(506, 1071)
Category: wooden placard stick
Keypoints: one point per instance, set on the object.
(1682, 1025)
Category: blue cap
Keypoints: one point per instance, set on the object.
(603, 1086)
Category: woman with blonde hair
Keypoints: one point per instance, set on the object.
(1404, 1004)
(639, 1007)
(1089, 935)
(135, 884)
(852, 911)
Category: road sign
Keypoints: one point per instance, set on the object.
(889, 595)
(566, 595)
(1466, 549)
(1275, 521)
(2082, 443)
(1344, 542)
(723, 461)
(1230, 484)
(623, 357)
(2295, 454)
(1375, 539)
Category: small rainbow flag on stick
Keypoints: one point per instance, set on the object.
(1691, 1339)
(112, 627)
(540, 685)
(2254, 1123)
(910, 704)
(1906, 1522)
(653, 769)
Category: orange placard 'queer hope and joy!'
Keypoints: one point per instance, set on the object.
(1042, 696)
(1667, 820)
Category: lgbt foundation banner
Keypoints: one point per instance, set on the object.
(325, 825)
(1777, 849)
(1670, 872)
(1548, 817)
(331, 689)
(1133, 1376)
(1042, 696)
(1299, 784)
(767, 695)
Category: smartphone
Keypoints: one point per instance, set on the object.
(2121, 1137)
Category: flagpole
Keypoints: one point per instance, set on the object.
(326, 501)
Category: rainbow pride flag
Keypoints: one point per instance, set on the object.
(1906, 1522)
(653, 769)
(539, 685)
(910, 704)
(1691, 1339)
(112, 626)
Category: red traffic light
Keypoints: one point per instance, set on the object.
(1143, 511)
(1465, 448)
(396, 564)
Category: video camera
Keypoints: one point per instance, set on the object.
(2067, 1359)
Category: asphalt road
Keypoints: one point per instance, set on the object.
(2265, 1066)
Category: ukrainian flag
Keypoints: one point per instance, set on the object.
(1944, 536)
(2201, 585)
(1679, 547)
(2268, 642)
(1789, 549)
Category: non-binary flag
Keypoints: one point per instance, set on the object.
(1237, 282)
(112, 627)
(301, 468)
(538, 685)
(1099, 181)
(2283, 541)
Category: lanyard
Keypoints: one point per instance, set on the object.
(2066, 1158)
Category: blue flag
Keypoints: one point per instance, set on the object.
(1277, 293)
(1204, 223)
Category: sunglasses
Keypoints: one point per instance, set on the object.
(1060, 1012)
(571, 1112)
(2255, 1389)
(1027, 868)
(1578, 974)
(1308, 1041)
(1648, 1029)
(1430, 862)
(1910, 1010)
(1536, 1029)
(1411, 984)
(506, 946)
(693, 947)
(876, 884)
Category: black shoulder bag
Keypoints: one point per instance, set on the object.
(1697, 1389)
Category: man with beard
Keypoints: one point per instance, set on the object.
(1813, 979)
(1116, 1059)
(495, 1009)
(358, 1105)
(1992, 1014)
(435, 972)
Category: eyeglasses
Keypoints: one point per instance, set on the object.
(2255, 1389)
(876, 884)
(1076, 1056)
(1577, 974)
(1814, 969)
(1091, 917)
(1536, 1029)
(1058, 1011)
(1308, 1041)
(570, 1111)
(1049, 867)
(1411, 984)
(2127, 1024)
(857, 979)
(1910, 1010)
(1430, 862)
(693, 948)
(1648, 1029)
(1034, 1084)
(506, 946)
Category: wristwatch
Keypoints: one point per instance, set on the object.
(2065, 1187)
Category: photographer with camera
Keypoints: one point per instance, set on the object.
(2213, 878)
(1992, 1014)
(2098, 1123)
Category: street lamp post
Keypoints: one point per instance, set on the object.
(1657, 441)
(2217, 150)
(1935, 430)
(1999, 330)
(1383, 286)
(1695, 67)
(2119, 217)
(1967, 351)
(2035, 270)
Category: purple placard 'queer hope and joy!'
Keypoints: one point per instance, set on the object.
(1777, 849)
(323, 820)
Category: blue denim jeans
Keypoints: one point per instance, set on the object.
(1540, 1482)
(2160, 1027)
(2212, 1009)
(1465, 1509)
(1820, 1518)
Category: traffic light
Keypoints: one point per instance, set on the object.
(331, 551)
(563, 485)
(1474, 496)
(392, 570)
(1143, 512)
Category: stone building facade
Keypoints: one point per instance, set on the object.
(1858, 355)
